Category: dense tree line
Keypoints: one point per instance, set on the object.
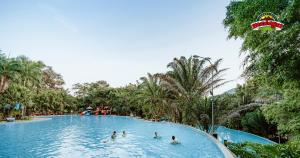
(37, 88)
(273, 62)
(179, 95)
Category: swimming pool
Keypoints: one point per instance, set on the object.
(75, 136)
(236, 136)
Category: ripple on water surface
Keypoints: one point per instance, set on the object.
(89, 136)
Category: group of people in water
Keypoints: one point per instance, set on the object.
(156, 136)
(114, 135)
(174, 141)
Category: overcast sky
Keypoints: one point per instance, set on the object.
(117, 40)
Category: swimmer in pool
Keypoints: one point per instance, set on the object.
(124, 134)
(114, 135)
(156, 136)
(174, 141)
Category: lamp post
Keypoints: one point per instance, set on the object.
(211, 92)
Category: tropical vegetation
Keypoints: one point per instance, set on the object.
(272, 60)
(33, 86)
(267, 104)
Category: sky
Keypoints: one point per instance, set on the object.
(117, 40)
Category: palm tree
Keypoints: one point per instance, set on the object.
(190, 79)
(20, 70)
(153, 94)
(31, 72)
(10, 68)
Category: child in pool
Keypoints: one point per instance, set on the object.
(174, 141)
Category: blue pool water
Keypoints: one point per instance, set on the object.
(75, 136)
(236, 136)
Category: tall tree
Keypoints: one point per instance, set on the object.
(272, 56)
(51, 79)
(10, 68)
(153, 94)
(275, 54)
(190, 79)
(31, 72)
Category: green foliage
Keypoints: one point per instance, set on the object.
(31, 72)
(255, 122)
(272, 57)
(232, 107)
(272, 53)
(241, 109)
(234, 122)
(26, 118)
(154, 96)
(178, 95)
(253, 150)
(16, 93)
(52, 101)
(10, 69)
(33, 85)
(247, 92)
(51, 79)
(188, 82)
(286, 113)
(16, 114)
(1, 116)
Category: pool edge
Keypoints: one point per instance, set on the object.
(271, 142)
(226, 152)
(34, 119)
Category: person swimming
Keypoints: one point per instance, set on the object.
(156, 136)
(124, 134)
(114, 135)
(174, 141)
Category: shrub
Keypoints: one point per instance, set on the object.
(16, 113)
(1, 116)
(254, 150)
